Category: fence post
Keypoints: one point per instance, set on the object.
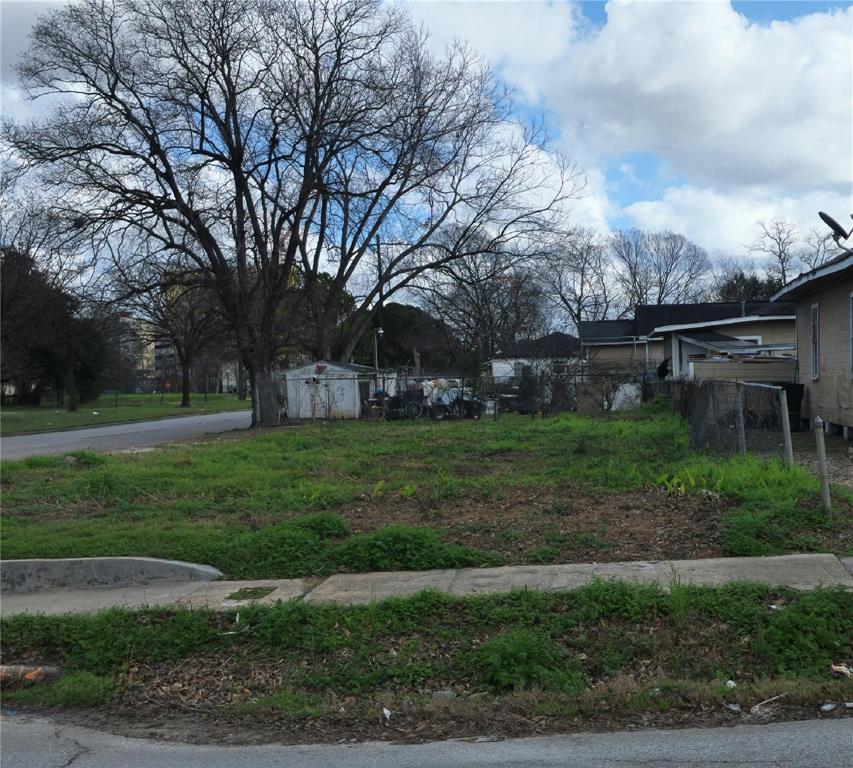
(821, 464)
(739, 418)
(786, 428)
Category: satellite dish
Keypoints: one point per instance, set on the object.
(838, 232)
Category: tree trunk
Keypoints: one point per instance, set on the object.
(241, 381)
(73, 396)
(265, 411)
(185, 384)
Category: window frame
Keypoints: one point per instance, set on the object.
(814, 329)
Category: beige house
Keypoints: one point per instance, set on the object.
(706, 350)
(824, 304)
(674, 333)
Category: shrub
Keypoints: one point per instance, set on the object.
(405, 547)
(809, 634)
(326, 525)
(522, 658)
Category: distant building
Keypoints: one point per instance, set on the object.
(331, 390)
(141, 350)
(824, 308)
(554, 353)
(677, 333)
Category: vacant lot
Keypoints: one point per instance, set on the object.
(109, 410)
(606, 655)
(409, 495)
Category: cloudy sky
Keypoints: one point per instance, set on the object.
(701, 116)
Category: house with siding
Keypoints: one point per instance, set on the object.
(675, 333)
(556, 352)
(824, 308)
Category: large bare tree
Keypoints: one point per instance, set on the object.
(778, 242)
(269, 136)
(658, 267)
(817, 248)
(489, 299)
(575, 275)
(172, 304)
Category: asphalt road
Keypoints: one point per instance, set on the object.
(35, 742)
(118, 437)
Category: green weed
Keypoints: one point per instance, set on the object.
(678, 599)
(520, 659)
(74, 689)
(405, 547)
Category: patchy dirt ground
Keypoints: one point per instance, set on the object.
(563, 525)
(483, 718)
(839, 456)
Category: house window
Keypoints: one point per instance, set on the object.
(815, 325)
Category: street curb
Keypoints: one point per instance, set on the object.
(21, 576)
(117, 424)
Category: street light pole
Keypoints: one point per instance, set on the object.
(377, 333)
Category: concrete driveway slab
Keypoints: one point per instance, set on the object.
(796, 571)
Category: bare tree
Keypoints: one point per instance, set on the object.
(658, 267)
(574, 274)
(817, 248)
(489, 300)
(261, 137)
(28, 224)
(172, 304)
(777, 240)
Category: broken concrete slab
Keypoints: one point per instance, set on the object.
(796, 571)
(18, 576)
(94, 599)
(188, 594)
(216, 594)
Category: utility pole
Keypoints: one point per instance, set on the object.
(378, 330)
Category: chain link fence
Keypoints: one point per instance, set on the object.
(327, 392)
(540, 388)
(724, 417)
(728, 417)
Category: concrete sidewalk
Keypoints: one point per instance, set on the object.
(796, 571)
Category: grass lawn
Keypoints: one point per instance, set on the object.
(606, 655)
(47, 417)
(362, 496)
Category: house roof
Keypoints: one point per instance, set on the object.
(606, 330)
(719, 342)
(556, 344)
(314, 365)
(649, 317)
(727, 321)
(815, 279)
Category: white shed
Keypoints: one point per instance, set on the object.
(324, 390)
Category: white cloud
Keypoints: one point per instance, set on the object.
(523, 39)
(727, 102)
(727, 222)
(757, 119)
